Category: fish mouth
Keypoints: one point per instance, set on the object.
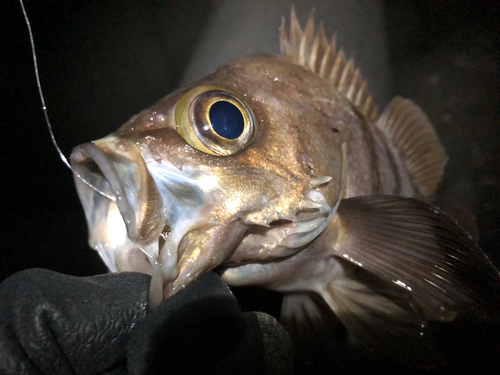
(122, 204)
(146, 215)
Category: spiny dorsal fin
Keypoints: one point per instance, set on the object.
(313, 51)
(411, 132)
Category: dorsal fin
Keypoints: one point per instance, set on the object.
(312, 50)
(411, 132)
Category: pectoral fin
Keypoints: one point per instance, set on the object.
(399, 263)
(380, 317)
(308, 320)
(414, 245)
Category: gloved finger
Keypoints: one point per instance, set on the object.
(201, 330)
(52, 323)
(194, 331)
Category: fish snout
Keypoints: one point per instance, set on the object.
(119, 196)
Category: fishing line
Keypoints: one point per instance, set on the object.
(46, 114)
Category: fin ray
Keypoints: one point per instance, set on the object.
(379, 317)
(412, 134)
(312, 50)
(411, 243)
(304, 318)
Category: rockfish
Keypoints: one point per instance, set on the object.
(279, 171)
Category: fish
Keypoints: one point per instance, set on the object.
(279, 171)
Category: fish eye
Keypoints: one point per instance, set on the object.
(226, 119)
(214, 120)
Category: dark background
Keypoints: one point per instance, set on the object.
(103, 61)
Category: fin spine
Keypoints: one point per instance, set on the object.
(313, 51)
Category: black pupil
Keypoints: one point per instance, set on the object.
(226, 119)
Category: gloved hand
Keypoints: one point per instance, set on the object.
(57, 324)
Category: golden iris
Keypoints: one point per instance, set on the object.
(215, 120)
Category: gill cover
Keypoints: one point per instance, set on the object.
(215, 120)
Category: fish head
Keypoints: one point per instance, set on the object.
(238, 167)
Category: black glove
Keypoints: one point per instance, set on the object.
(56, 324)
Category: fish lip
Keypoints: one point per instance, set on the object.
(179, 201)
(89, 152)
(115, 168)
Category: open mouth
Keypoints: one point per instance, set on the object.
(121, 202)
(146, 215)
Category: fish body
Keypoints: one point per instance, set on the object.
(278, 171)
